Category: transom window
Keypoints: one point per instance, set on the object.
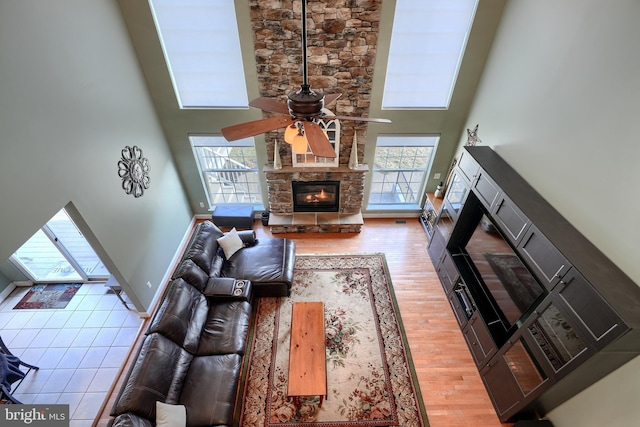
(201, 45)
(428, 40)
(229, 170)
(400, 170)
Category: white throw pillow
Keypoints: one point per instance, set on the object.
(170, 415)
(230, 243)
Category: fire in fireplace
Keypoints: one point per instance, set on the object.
(315, 196)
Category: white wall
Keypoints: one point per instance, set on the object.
(559, 101)
(71, 97)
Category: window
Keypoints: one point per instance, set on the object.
(59, 252)
(400, 170)
(428, 40)
(229, 170)
(202, 48)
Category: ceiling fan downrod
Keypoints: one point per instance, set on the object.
(305, 103)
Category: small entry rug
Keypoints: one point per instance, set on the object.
(370, 376)
(54, 295)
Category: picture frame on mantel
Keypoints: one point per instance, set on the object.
(308, 160)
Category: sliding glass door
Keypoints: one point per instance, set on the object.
(58, 252)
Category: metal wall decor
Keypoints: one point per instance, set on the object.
(134, 171)
(472, 137)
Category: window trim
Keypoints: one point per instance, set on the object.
(218, 141)
(395, 140)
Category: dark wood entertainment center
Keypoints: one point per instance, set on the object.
(584, 325)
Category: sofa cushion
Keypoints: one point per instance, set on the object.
(203, 245)
(210, 388)
(268, 265)
(158, 374)
(192, 274)
(226, 328)
(181, 315)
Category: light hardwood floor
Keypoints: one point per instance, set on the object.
(452, 390)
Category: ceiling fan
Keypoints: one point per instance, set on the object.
(299, 113)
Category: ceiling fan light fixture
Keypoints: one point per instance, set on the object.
(300, 144)
(290, 133)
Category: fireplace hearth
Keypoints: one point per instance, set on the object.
(316, 196)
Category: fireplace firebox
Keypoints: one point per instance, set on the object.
(316, 196)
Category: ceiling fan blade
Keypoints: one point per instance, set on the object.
(328, 99)
(245, 130)
(271, 105)
(318, 141)
(356, 119)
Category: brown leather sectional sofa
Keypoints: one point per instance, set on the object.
(193, 350)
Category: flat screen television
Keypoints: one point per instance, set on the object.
(500, 284)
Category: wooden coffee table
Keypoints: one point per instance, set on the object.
(307, 354)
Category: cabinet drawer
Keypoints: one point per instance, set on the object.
(546, 262)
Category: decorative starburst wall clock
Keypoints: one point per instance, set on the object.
(134, 171)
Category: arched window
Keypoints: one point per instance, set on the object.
(332, 128)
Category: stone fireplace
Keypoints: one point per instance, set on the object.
(342, 48)
(346, 217)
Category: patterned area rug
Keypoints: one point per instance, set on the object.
(55, 295)
(370, 375)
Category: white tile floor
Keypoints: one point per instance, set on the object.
(79, 349)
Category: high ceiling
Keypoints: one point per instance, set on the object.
(179, 123)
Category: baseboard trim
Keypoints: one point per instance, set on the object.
(23, 283)
(7, 291)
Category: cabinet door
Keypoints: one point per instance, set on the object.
(479, 340)
(458, 310)
(513, 379)
(456, 194)
(511, 220)
(445, 221)
(556, 339)
(502, 387)
(486, 189)
(597, 318)
(436, 247)
(546, 262)
(447, 272)
(468, 167)
(428, 216)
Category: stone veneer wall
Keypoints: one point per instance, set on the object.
(351, 187)
(342, 37)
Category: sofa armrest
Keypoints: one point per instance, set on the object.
(228, 288)
(248, 237)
